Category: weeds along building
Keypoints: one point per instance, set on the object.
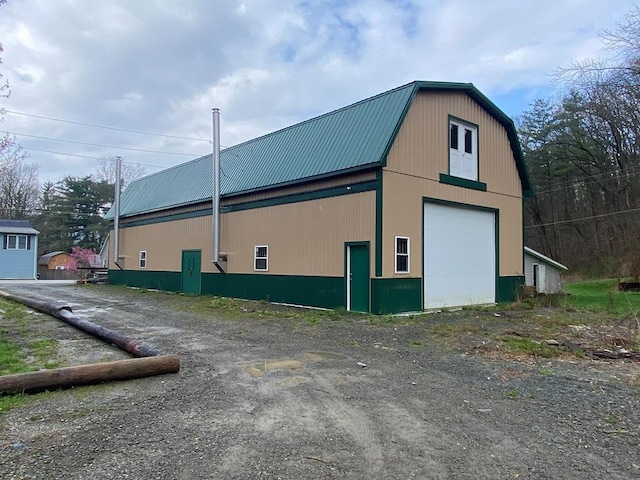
(408, 200)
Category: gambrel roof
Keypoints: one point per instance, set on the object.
(46, 258)
(352, 138)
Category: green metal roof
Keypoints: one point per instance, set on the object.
(352, 138)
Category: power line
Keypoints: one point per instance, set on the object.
(584, 218)
(87, 156)
(556, 187)
(108, 128)
(98, 145)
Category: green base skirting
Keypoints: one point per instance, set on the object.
(508, 289)
(167, 281)
(396, 295)
(327, 292)
(388, 295)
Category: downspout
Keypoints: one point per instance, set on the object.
(35, 260)
(218, 259)
(116, 216)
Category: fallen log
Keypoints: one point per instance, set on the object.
(617, 354)
(64, 313)
(89, 374)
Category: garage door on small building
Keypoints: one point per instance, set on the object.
(459, 256)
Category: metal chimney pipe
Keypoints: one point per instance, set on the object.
(216, 190)
(116, 217)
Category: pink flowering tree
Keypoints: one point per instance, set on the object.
(83, 257)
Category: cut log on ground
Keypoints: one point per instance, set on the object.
(64, 313)
(89, 374)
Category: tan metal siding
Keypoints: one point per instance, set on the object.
(305, 238)
(421, 147)
(420, 154)
(403, 211)
(164, 243)
(268, 194)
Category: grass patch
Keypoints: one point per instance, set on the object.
(512, 393)
(613, 420)
(12, 358)
(19, 353)
(10, 401)
(602, 296)
(238, 308)
(12, 311)
(527, 346)
(44, 352)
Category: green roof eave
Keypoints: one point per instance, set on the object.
(303, 181)
(502, 118)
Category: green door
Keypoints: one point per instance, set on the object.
(358, 278)
(191, 271)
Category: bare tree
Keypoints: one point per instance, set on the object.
(4, 93)
(107, 171)
(19, 189)
(584, 157)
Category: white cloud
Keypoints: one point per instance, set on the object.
(160, 66)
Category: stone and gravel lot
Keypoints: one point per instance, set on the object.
(283, 397)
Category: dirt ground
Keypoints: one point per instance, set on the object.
(260, 396)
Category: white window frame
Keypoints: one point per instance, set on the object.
(16, 242)
(398, 255)
(142, 259)
(265, 258)
(463, 164)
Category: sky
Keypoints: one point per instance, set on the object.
(159, 67)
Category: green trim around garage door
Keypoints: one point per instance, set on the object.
(167, 281)
(508, 288)
(396, 295)
(496, 211)
(326, 292)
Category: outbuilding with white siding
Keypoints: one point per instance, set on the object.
(542, 273)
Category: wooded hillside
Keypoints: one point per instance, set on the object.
(583, 154)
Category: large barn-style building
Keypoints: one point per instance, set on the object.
(408, 200)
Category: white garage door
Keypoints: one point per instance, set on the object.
(459, 256)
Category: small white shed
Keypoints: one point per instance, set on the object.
(542, 272)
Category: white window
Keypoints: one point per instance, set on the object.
(143, 259)
(261, 258)
(16, 242)
(402, 254)
(463, 150)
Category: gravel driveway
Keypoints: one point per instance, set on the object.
(277, 398)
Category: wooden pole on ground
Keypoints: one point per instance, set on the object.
(89, 374)
(64, 313)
